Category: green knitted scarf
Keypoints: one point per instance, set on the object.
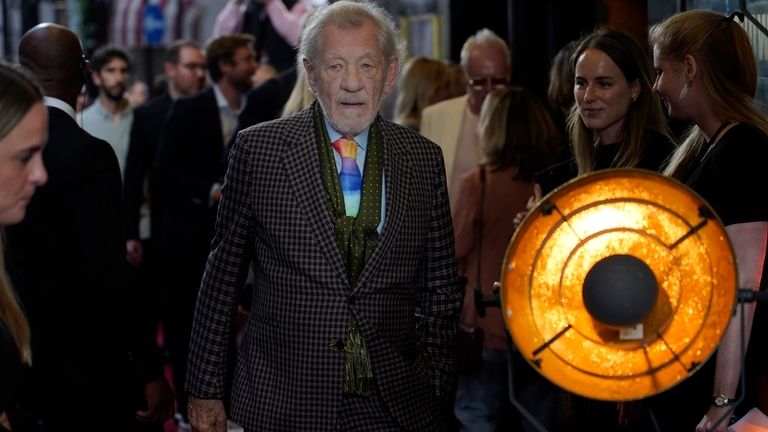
(356, 237)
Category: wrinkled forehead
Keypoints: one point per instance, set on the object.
(362, 37)
(487, 61)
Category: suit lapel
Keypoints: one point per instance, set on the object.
(397, 174)
(303, 173)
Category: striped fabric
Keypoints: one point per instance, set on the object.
(349, 177)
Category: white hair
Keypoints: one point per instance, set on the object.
(484, 37)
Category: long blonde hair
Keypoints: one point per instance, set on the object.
(420, 79)
(301, 96)
(644, 116)
(723, 54)
(18, 93)
(11, 314)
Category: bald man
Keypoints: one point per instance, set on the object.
(92, 371)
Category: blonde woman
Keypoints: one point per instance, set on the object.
(301, 96)
(23, 132)
(423, 82)
(706, 75)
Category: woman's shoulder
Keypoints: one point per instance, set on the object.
(747, 134)
(743, 142)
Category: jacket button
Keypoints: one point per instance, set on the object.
(336, 343)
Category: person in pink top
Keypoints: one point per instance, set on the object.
(518, 138)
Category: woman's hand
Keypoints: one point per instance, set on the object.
(712, 416)
(532, 201)
(4, 422)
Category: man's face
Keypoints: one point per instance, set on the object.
(188, 75)
(486, 70)
(112, 78)
(351, 76)
(241, 69)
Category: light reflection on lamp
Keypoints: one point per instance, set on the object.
(632, 228)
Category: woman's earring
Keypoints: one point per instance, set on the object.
(634, 98)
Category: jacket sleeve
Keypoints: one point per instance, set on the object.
(441, 298)
(225, 273)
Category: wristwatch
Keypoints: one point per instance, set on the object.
(722, 401)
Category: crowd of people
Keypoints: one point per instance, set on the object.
(312, 263)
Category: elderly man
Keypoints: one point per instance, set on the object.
(452, 124)
(345, 216)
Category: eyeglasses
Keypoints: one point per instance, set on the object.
(194, 66)
(481, 83)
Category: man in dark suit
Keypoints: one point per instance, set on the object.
(184, 68)
(266, 101)
(92, 370)
(345, 217)
(188, 173)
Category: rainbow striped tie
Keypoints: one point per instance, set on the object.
(349, 177)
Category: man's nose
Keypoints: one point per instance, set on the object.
(352, 79)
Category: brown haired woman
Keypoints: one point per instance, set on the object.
(23, 132)
(518, 137)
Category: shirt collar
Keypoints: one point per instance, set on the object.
(361, 139)
(60, 104)
(222, 103)
(105, 114)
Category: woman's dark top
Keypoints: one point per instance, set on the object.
(10, 368)
(731, 178)
(657, 152)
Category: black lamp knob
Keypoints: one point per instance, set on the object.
(620, 290)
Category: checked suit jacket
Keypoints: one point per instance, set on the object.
(289, 370)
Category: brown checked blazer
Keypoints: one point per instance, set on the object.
(289, 367)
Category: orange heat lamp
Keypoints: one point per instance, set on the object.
(619, 284)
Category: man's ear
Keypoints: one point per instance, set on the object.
(224, 66)
(691, 68)
(391, 78)
(95, 78)
(309, 71)
(169, 69)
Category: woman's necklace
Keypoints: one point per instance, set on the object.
(725, 127)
